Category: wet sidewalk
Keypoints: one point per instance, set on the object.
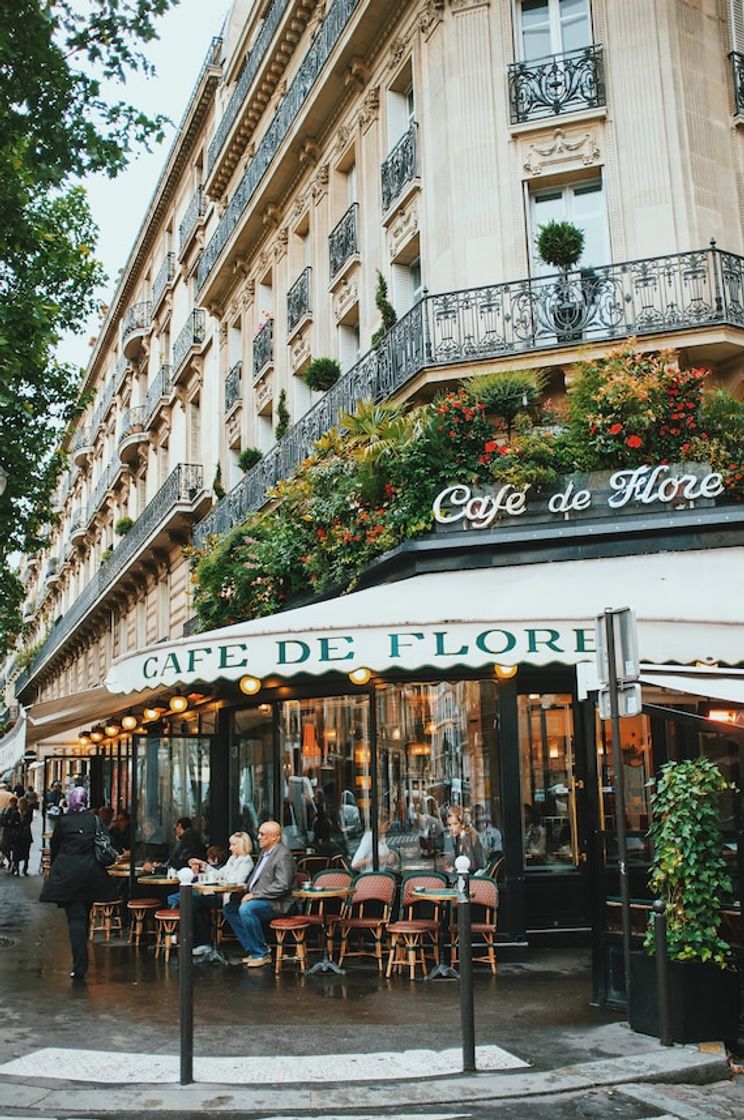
(355, 1040)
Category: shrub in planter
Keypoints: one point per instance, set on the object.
(217, 488)
(282, 415)
(388, 316)
(560, 244)
(248, 458)
(507, 395)
(106, 555)
(122, 526)
(322, 374)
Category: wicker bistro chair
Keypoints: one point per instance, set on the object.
(313, 864)
(484, 908)
(368, 912)
(326, 912)
(417, 926)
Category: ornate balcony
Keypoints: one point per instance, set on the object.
(737, 66)
(101, 410)
(121, 370)
(657, 296)
(343, 243)
(232, 387)
(132, 434)
(163, 280)
(158, 394)
(192, 337)
(135, 327)
(181, 498)
(51, 572)
(263, 349)
(556, 84)
(298, 300)
(191, 220)
(338, 15)
(101, 489)
(399, 168)
(82, 447)
(79, 525)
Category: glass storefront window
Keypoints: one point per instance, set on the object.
(252, 770)
(437, 749)
(326, 758)
(547, 766)
(635, 738)
(172, 782)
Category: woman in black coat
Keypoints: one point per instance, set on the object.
(76, 879)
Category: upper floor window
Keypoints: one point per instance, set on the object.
(553, 27)
(583, 204)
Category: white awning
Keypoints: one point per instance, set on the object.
(51, 718)
(688, 605)
(703, 680)
(13, 745)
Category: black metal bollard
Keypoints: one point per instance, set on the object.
(662, 971)
(186, 982)
(465, 939)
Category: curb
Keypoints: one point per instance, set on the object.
(677, 1064)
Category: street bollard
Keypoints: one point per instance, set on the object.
(186, 982)
(662, 971)
(465, 940)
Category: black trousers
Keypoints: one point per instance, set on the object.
(77, 927)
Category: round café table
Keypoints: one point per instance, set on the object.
(325, 964)
(446, 896)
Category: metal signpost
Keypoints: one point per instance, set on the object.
(465, 940)
(186, 982)
(618, 670)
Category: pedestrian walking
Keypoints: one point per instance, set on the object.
(11, 823)
(22, 848)
(76, 878)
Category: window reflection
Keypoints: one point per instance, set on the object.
(635, 739)
(172, 782)
(252, 770)
(547, 765)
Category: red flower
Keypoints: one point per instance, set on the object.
(490, 446)
(634, 441)
(615, 429)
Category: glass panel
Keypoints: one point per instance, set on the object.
(588, 212)
(438, 748)
(536, 41)
(326, 759)
(724, 751)
(251, 770)
(576, 27)
(172, 782)
(635, 733)
(547, 764)
(547, 206)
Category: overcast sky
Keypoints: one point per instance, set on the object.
(118, 205)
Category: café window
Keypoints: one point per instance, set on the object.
(635, 746)
(252, 770)
(547, 765)
(172, 782)
(437, 749)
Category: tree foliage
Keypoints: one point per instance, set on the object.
(56, 126)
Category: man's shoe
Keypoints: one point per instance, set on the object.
(257, 962)
(201, 950)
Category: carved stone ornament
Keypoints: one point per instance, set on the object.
(319, 188)
(299, 350)
(248, 294)
(466, 5)
(370, 109)
(223, 335)
(398, 49)
(346, 296)
(233, 427)
(271, 216)
(403, 227)
(264, 393)
(357, 74)
(562, 151)
(430, 16)
(342, 138)
(281, 243)
(310, 152)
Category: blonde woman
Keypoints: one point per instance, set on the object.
(233, 873)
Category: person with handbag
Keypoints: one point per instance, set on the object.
(77, 877)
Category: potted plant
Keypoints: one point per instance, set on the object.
(106, 555)
(388, 316)
(282, 415)
(248, 458)
(321, 374)
(688, 873)
(122, 526)
(560, 245)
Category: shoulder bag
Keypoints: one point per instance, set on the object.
(104, 850)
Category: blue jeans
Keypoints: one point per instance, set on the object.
(246, 920)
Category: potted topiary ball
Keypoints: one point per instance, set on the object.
(322, 374)
(560, 245)
(122, 526)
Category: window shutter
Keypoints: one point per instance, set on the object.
(736, 24)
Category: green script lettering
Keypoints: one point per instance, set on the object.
(326, 648)
(145, 672)
(439, 636)
(304, 651)
(196, 655)
(226, 653)
(551, 641)
(396, 643)
(480, 642)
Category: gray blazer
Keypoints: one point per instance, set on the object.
(277, 879)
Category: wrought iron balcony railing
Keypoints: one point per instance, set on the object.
(343, 242)
(137, 318)
(193, 333)
(132, 421)
(82, 439)
(120, 372)
(159, 389)
(737, 66)
(163, 278)
(51, 569)
(298, 299)
(79, 520)
(101, 489)
(232, 387)
(101, 409)
(606, 304)
(190, 220)
(339, 14)
(558, 83)
(399, 167)
(183, 485)
(263, 348)
(245, 79)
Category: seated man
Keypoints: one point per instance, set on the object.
(188, 846)
(269, 895)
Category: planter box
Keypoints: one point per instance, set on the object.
(703, 1000)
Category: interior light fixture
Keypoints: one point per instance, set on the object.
(84, 738)
(722, 715)
(129, 722)
(151, 713)
(360, 675)
(96, 735)
(178, 703)
(112, 729)
(265, 709)
(250, 685)
(505, 672)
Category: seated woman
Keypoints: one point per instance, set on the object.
(387, 859)
(235, 871)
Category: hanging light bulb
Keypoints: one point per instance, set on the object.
(84, 738)
(360, 675)
(129, 722)
(96, 734)
(250, 685)
(178, 703)
(505, 672)
(112, 728)
(151, 713)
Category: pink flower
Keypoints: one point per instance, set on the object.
(615, 429)
(634, 441)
